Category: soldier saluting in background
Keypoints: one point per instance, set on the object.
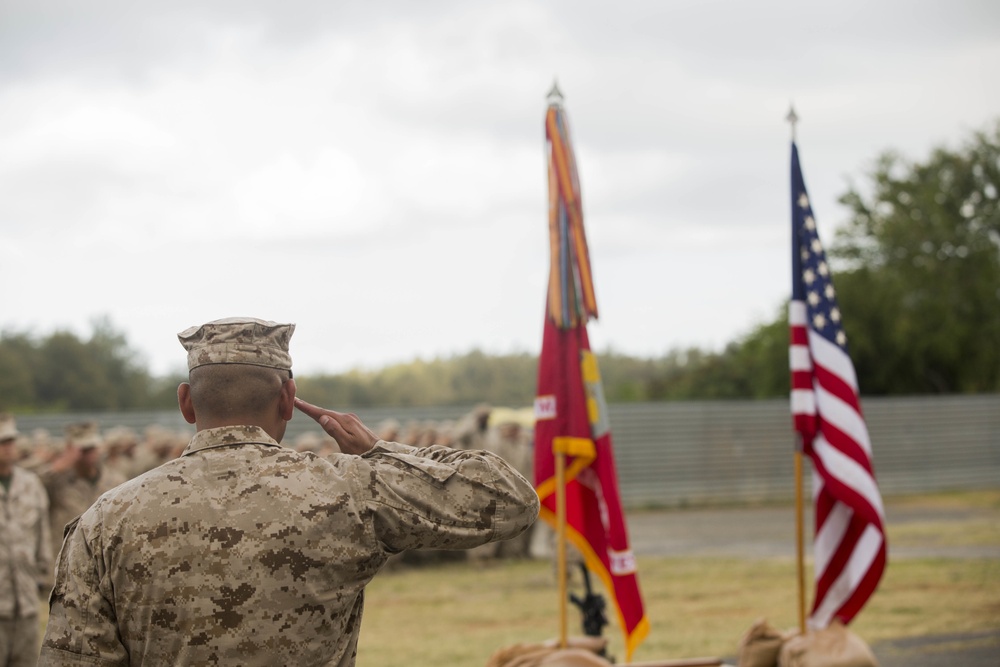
(76, 477)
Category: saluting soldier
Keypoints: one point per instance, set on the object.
(76, 477)
(242, 551)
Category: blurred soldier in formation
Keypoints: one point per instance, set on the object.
(157, 446)
(508, 440)
(388, 430)
(428, 434)
(37, 450)
(446, 433)
(25, 553)
(307, 442)
(243, 551)
(76, 477)
(470, 432)
(121, 444)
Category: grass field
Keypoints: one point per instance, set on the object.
(458, 614)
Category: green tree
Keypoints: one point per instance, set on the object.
(64, 372)
(70, 377)
(761, 358)
(18, 356)
(920, 278)
(125, 373)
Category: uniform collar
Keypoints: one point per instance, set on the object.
(227, 436)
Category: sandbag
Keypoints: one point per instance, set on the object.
(573, 657)
(760, 645)
(518, 655)
(833, 646)
(580, 652)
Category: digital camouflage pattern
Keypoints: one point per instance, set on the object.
(70, 495)
(25, 548)
(245, 552)
(238, 340)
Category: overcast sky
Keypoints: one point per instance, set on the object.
(375, 171)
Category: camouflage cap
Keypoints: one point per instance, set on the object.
(238, 340)
(8, 428)
(84, 435)
(120, 436)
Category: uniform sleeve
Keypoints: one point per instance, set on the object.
(43, 541)
(442, 498)
(82, 628)
(53, 481)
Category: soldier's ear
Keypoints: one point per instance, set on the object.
(286, 400)
(184, 402)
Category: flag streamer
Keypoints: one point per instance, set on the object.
(571, 287)
(850, 546)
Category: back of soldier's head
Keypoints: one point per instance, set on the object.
(225, 391)
(237, 365)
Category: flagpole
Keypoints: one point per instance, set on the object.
(561, 543)
(800, 535)
(800, 560)
(559, 445)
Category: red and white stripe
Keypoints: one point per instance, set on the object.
(849, 548)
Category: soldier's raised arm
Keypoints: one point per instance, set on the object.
(431, 497)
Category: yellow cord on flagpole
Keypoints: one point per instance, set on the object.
(800, 537)
(561, 546)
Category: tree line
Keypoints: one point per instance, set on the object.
(917, 272)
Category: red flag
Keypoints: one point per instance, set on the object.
(570, 409)
(850, 547)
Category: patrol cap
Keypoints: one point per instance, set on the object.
(8, 428)
(120, 436)
(238, 340)
(84, 435)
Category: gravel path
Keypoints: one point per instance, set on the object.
(766, 532)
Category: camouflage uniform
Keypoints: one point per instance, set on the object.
(70, 495)
(25, 561)
(246, 552)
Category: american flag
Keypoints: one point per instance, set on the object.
(849, 548)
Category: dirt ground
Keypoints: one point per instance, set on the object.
(765, 532)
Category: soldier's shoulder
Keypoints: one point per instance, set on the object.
(29, 478)
(140, 486)
(26, 474)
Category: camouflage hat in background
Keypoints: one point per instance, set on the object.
(84, 435)
(40, 442)
(120, 436)
(8, 428)
(238, 340)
